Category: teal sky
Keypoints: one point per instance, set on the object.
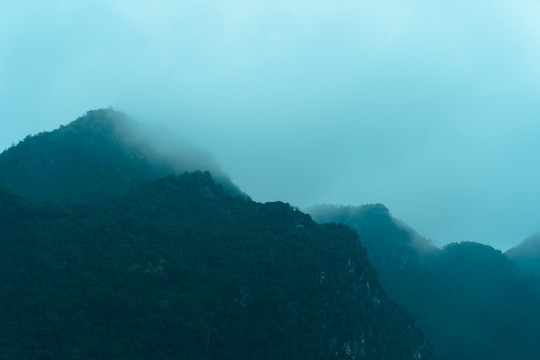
(429, 107)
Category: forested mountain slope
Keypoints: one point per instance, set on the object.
(471, 301)
(105, 257)
(97, 157)
(181, 269)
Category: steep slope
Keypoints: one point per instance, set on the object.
(397, 252)
(95, 158)
(527, 255)
(181, 269)
(389, 241)
(471, 301)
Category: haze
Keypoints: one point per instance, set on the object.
(428, 107)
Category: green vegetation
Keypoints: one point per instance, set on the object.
(181, 269)
(471, 301)
(96, 158)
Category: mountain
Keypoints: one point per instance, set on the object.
(471, 301)
(96, 158)
(180, 268)
(105, 256)
(389, 241)
(527, 255)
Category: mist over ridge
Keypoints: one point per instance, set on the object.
(471, 299)
(163, 166)
(105, 158)
(428, 108)
(132, 259)
(161, 145)
(98, 157)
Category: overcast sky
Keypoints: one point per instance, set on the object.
(430, 107)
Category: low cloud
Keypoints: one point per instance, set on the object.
(427, 107)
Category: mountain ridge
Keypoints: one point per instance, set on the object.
(471, 301)
(526, 256)
(97, 157)
(191, 262)
(175, 266)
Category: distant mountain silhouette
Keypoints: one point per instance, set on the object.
(527, 255)
(95, 158)
(471, 301)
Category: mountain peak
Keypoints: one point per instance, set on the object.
(401, 238)
(530, 247)
(100, 116)
(100, 122)
(97, 157)
(527, 254)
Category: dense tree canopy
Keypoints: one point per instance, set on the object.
(181, 269)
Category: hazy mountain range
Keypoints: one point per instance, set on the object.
(102, 258)
(98, 157)
(111, 250)
(527, 255)
(470, 299)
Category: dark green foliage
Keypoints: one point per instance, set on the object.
(181, 269)
(95, 158)
(471, 301)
